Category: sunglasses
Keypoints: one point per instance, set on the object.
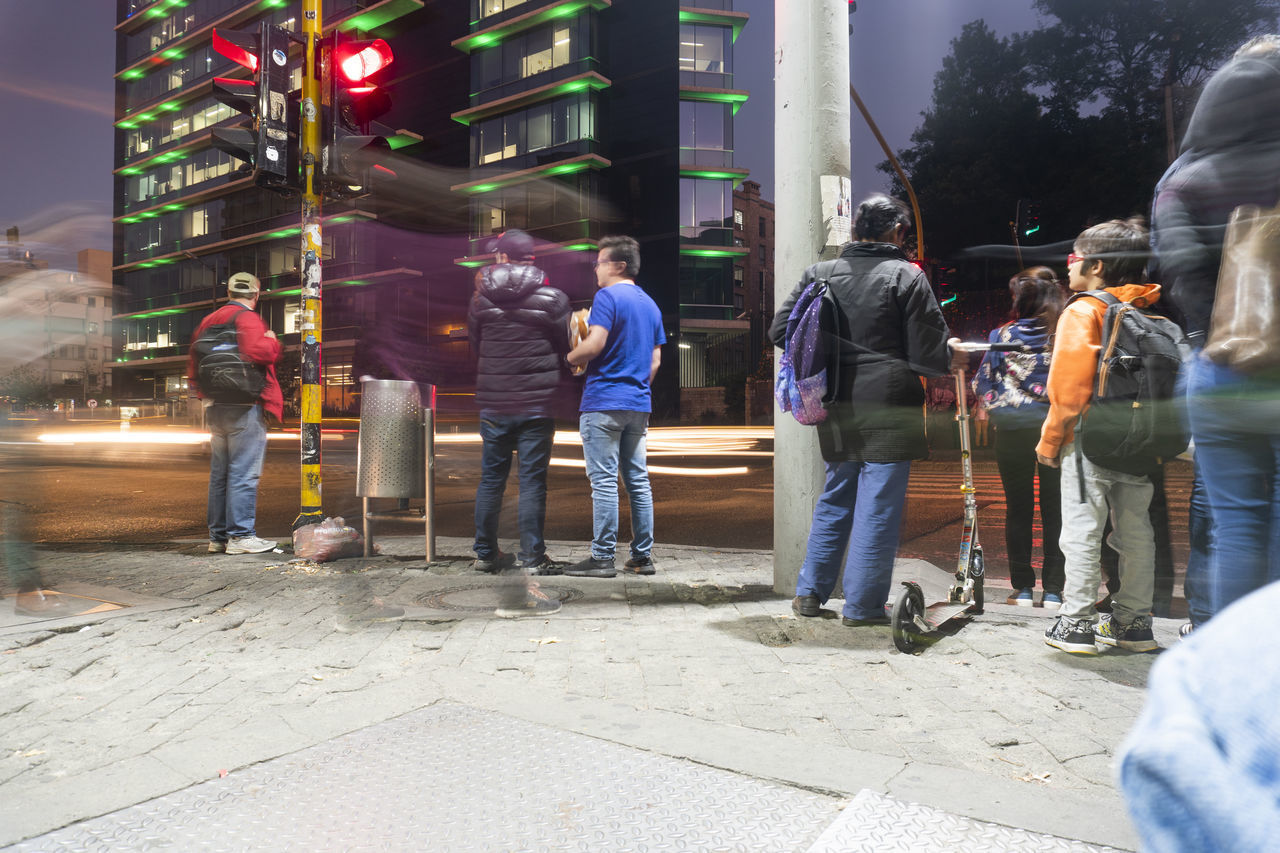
(1073, 257)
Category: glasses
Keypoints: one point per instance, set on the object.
(1073, 257)
(598, 263)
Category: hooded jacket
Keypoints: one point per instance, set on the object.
(1230, 156)
(519, 328)
(1076, 344)
(891, 332)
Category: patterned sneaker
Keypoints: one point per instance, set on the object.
(1134, 637)
(1075, 636)
(1051, 601)
(1020, 597)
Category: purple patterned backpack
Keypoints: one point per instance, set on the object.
(801, 387)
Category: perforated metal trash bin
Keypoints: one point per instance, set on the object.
(391, 460)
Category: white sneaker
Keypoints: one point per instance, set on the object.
(250, 545)
(216, 547)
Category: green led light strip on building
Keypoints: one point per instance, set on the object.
(551, 170)
(715, 253)
(379, 14)
(735, 175)
(724, 19)
(580, 83)
(721, 96)
(499, 33)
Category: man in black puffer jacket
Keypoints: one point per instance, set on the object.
(519, 327)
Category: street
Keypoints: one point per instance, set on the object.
(85, 493)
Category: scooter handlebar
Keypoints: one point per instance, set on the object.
(983, 346)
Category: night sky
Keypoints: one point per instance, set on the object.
(56, 97)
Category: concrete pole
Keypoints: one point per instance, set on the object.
(811, 153)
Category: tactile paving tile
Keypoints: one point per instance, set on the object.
(453, 778)
(874, 822)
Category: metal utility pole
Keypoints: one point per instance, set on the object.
(812, 173)
(312, 274)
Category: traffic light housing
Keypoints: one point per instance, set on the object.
(268, 141)
(351, 151)
(1030, 220)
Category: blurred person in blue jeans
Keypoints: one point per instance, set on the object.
(1012, 386)
(519, 327)
(622, 350)
(1230, 157)
(891, 334)
(1198, 769)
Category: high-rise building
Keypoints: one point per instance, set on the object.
(570, 119)
(187, 215)
(590, 117)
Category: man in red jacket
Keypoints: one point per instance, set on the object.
(238, 431)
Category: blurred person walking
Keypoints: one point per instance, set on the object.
(622, 351)
(1012, 387)
(518, 326)
(238, 431)
(890, 334)
(1230, 157)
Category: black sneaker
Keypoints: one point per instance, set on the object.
(592, 568)
(1071, 635)
(1134, 637)
(864, 623)
(806, 605)
(544, 565)
(492, 567)
(533, 602)
(639, 565)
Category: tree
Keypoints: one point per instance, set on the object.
(1072, 114)
(25, 385)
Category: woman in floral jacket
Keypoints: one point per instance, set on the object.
(1011, 386)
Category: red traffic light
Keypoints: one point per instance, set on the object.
(240, 48)
(356, 61)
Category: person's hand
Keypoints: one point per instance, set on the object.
(1047, 461)
(959, 359)
(269, 334)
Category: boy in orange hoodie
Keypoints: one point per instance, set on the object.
(1111, 256)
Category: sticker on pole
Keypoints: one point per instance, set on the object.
(837, 212)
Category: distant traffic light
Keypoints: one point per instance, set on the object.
(1030, 219)
(264, 142)
(351, 151)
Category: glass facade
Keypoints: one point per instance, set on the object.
(530, 53)
(541, 126)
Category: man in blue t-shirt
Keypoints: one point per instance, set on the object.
(622, 350)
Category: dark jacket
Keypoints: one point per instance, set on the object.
(519, 328)
(891, 333)
(251, 338)
(1230, 156)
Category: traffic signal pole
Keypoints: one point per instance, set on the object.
(811, 164)
(312, 259)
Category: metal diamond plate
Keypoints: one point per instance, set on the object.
(452, 778)
(875, 823)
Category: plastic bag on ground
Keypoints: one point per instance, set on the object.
(331, 539)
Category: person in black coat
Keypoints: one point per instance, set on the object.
(519, 327)
(890, 333)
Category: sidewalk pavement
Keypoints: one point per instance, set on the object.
(259, 658)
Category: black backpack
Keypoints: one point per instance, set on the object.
(223, 374)
(1136, 421)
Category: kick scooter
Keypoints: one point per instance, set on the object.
(910, 618)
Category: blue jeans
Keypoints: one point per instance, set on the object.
(1235, 421)
(1195, 586)
(531, 438)
(238, 443)
(859, 512)
(611, 440)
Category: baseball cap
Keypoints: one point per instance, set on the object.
(516, 245)
(244, 283)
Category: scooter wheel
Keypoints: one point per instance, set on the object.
(908, 612)
(977, 572)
